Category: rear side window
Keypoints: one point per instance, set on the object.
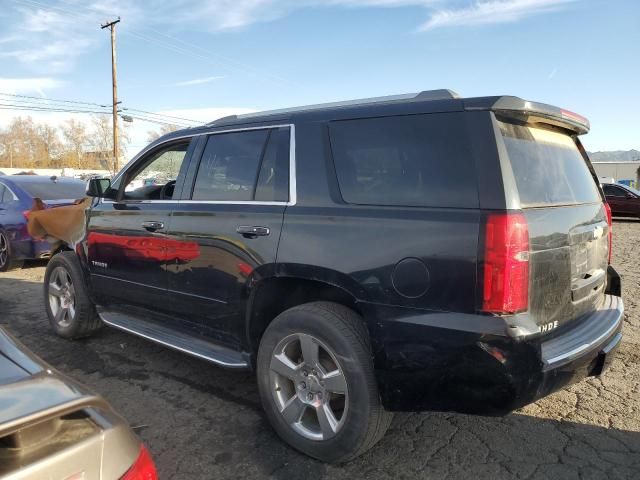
(548, 167)
(411, 160)
(244, 166)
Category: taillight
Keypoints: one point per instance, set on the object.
(26, 214)
(607, 209)
(143, 468)
(506, 263)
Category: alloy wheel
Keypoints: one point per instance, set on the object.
(62, 297)
(309, 386)
(4, 250)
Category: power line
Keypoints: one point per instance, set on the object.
(162, 115)
(32, 108)
(45, 99)
(46, 102)
(9, 106)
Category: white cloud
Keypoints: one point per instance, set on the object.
(197, 81)
(492, 11)
(28, 85)
(49, 37)
(235, 14)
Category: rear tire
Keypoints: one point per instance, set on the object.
(7, 261)
(71, 313)
(317, 382)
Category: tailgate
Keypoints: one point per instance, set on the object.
(567, 223)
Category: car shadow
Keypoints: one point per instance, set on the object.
(201, 421)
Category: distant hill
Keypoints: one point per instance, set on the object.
(615, 156)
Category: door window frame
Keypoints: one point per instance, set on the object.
(140, 159)
(192, 163)
(196, 159)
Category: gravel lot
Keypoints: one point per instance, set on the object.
(205, 422)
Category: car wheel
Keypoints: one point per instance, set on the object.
(317, 383)
(70, 311)
(7, 262)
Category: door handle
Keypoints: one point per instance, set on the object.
(152, 226)
(252, 232)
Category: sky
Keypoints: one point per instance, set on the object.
(203, 59)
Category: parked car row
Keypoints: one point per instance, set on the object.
(17, 196)
(420, 252)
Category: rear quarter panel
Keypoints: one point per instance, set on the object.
(358, 247)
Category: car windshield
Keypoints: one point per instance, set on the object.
(48, 189)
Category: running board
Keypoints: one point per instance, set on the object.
(178, 341)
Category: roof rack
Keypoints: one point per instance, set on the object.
(425, 95)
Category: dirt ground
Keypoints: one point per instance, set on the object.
(205, 422)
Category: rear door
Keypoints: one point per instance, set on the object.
(568, 228)
(126, 239)
(230, 219)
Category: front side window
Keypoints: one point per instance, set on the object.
(155, 177)
(244, 166)
(409, 160)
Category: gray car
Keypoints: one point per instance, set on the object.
(52, 427)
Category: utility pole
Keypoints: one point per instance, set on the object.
(114, 82)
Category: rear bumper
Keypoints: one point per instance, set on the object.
(30, 249)
(464, 363)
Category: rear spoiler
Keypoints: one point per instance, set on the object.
(530, 112)
(26, 413)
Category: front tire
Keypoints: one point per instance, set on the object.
(71, 313)
(317, 383)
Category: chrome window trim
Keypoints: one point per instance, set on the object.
(292, 168)
(15, 197)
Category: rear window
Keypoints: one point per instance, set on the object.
(50, 190)
(548, 167)
(411, 160)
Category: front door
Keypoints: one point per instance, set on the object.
(126, 238)
(227, 227)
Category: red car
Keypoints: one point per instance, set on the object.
(624, 201)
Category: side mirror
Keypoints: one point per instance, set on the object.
(100, 188)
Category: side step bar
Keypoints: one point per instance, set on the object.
(171, 338)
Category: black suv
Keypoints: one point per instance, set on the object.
(418, 252)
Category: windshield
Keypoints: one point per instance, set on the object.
(50, 190)
(548, 167)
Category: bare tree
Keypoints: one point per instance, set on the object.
(163, 130)
(102, 140)
(21, 143)
(76, 140)
(48, 146)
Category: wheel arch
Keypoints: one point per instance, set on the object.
(273, 295)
